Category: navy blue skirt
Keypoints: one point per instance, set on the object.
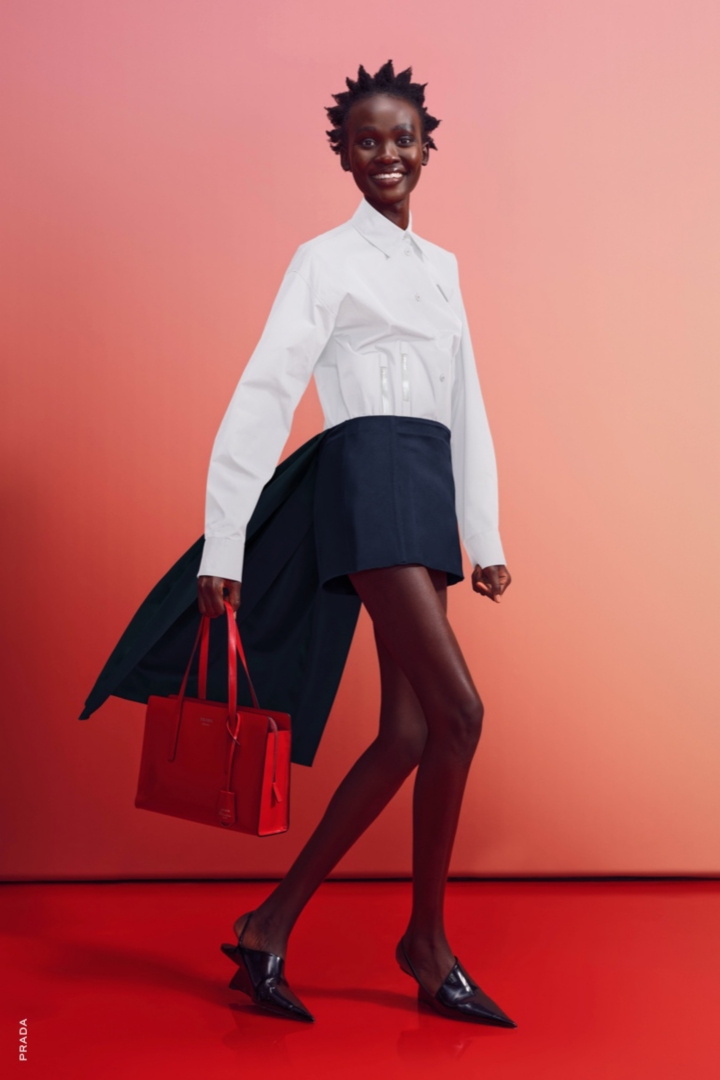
(385, 496)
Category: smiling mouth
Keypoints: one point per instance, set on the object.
(388, 177)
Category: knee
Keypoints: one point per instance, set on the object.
(463, 725)
(405, 748)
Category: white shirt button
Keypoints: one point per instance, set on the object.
(417, 295)
(442, 378)
(407, 251)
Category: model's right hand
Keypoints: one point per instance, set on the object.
(491, 581)
(211, 595)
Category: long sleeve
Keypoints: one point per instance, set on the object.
(474, 465)
(257, 422)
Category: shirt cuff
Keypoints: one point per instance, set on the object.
(485, 549)
(222, 557)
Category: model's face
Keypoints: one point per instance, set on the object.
(384, 148)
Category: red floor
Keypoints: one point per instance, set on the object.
(608, 980)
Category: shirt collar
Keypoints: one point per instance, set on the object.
(380, 231)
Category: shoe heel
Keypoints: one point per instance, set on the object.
(232, 952)
(399, 959)
(403, 961)
(241, 981)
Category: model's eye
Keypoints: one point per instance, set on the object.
(367, 142)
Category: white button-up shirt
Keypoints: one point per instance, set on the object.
(375, 314)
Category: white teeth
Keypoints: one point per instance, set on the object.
(389, 176)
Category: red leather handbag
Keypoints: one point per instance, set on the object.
(212, 762)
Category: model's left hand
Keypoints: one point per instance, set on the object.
(491, 581)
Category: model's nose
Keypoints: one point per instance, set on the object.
(387, 154)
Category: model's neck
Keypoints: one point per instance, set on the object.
(398, 213)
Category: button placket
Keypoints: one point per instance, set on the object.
(444, 384)
(384, 388)
(405, 380)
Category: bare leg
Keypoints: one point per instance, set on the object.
(368, 787)
(431, 714)
(408, 614)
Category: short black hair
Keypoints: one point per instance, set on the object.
(384, 81)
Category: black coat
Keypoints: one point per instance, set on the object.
(296, 635)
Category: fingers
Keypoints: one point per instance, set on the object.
(211, 598)
(491, 581)
(234, 594)
(478, 584)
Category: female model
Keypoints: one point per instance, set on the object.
(375, 314)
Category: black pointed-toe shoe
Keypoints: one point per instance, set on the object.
(260, 976)
(459, 997)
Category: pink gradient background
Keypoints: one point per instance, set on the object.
(161, 162)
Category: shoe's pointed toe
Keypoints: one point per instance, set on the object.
(280, 999)
(479, 1009)
(459, 997)
(488, 1012)
(261, 976)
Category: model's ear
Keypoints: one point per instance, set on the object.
(425, 153)
(344, 160)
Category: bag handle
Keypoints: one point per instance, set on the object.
(234, 647)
